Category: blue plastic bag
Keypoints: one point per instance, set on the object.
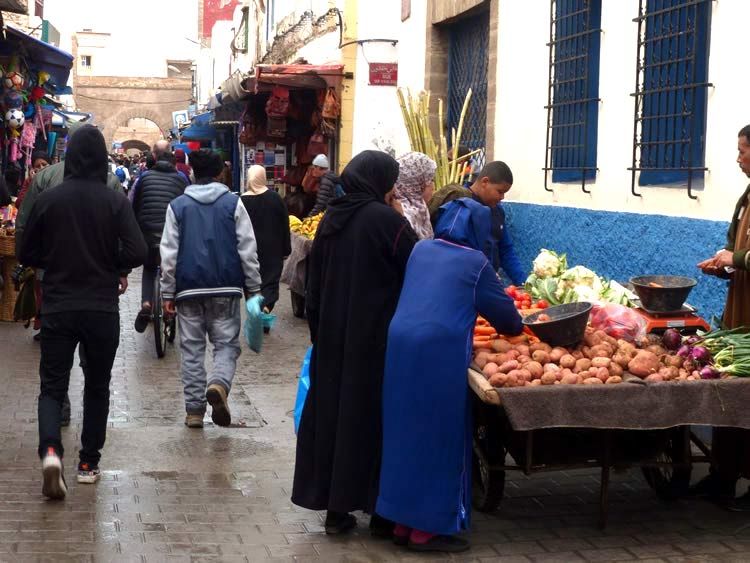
(254, 323)
(269, 319)
(302, 388)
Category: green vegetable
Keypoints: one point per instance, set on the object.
(549, 264)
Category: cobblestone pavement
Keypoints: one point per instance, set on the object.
(169, 493)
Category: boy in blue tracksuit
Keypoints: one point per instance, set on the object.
(209, 263)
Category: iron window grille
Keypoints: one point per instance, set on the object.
(671, 92)
(573, 91)
(468, 59)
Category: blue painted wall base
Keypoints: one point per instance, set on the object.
(622, 245)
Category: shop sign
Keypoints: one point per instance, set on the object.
(383, 74)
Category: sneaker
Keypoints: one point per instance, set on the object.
(142, 319)
(217, 398)
(88, 473)
(194, 420)
(53, 484)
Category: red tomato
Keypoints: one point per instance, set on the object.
(512, 290)
(542, 304)
(517, 304)
(526, 304)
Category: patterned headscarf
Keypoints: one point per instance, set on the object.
(416, 170)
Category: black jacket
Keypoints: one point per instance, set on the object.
(82, 233)
(326, 193)
(155, 190)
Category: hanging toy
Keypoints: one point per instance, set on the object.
(14, 152)
(14, 119)
(13, 99)
(13, 80)
(42, 77)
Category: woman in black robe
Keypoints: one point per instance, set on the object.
(270, 221)
(354, 277)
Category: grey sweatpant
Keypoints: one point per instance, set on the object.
(220, 319)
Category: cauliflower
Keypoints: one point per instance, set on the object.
(580, 280)
(586, 293)
(548, 264)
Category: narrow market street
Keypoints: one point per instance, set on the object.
(222, 494)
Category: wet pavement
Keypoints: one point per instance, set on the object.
(169, 493)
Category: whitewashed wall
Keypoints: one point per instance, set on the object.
(521, 118)
(377, 115)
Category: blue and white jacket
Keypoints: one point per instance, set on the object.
(208, 246)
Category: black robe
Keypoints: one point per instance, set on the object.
(270, 221)
(355, 272)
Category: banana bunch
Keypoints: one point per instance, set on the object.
(306, 228)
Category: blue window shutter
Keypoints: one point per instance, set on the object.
(673, 91)
(575, 42)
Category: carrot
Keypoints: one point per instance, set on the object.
(481, 337)
(482, 345)
(484, 330)
(520, 339)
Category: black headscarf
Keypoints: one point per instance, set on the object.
(370, 172)
(367, 178)
(86, 157)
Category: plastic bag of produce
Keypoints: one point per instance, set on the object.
(618, 321)
(302, 388)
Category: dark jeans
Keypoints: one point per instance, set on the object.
(99, 334)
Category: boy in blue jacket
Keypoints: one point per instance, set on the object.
(209, 263)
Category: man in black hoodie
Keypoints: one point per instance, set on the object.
(83, 235)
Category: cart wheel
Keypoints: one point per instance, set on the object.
(488, 486)
(298, 305)
(671, 482)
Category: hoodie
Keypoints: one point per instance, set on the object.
(82, 233)
(208, 246)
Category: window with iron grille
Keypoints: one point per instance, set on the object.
(671, 91)
(573, 96)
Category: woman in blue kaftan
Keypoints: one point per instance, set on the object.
(427, 425)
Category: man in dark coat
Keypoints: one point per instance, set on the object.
(83, 235)
(154, 191)
(355, 272)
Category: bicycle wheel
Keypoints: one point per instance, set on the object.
(160, 332)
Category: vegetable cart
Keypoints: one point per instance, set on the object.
(561, 427)
(295, 271)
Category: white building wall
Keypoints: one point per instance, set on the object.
(522, 74)
(377, 115)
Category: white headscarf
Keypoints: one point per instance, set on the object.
(256, 180)
(415, 171)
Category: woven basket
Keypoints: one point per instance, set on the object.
(9, 293)
(7, 245)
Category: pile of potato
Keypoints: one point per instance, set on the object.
(599, 359)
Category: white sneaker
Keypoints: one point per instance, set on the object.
(53, 485)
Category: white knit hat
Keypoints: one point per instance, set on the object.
(321, 160)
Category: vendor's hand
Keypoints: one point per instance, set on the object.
(123, 284)
(723, 259)
(168, 306)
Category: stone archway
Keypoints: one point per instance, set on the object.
(114, 100)
(140, 146)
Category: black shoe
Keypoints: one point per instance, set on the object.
(381, 527)
(339, 522)
(142, 319)
(712, 487)
(401, 541)
(445, 544)
(38, 336)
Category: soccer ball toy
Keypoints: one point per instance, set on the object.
(14, 118)
(13, 80)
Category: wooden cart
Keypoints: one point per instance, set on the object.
(665, 455)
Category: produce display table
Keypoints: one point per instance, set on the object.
(559, 427)
(295, 270)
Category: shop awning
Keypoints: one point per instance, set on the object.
(41, 56)
(312, 77)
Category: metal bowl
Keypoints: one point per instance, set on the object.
(566, 325)
(662, 293)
